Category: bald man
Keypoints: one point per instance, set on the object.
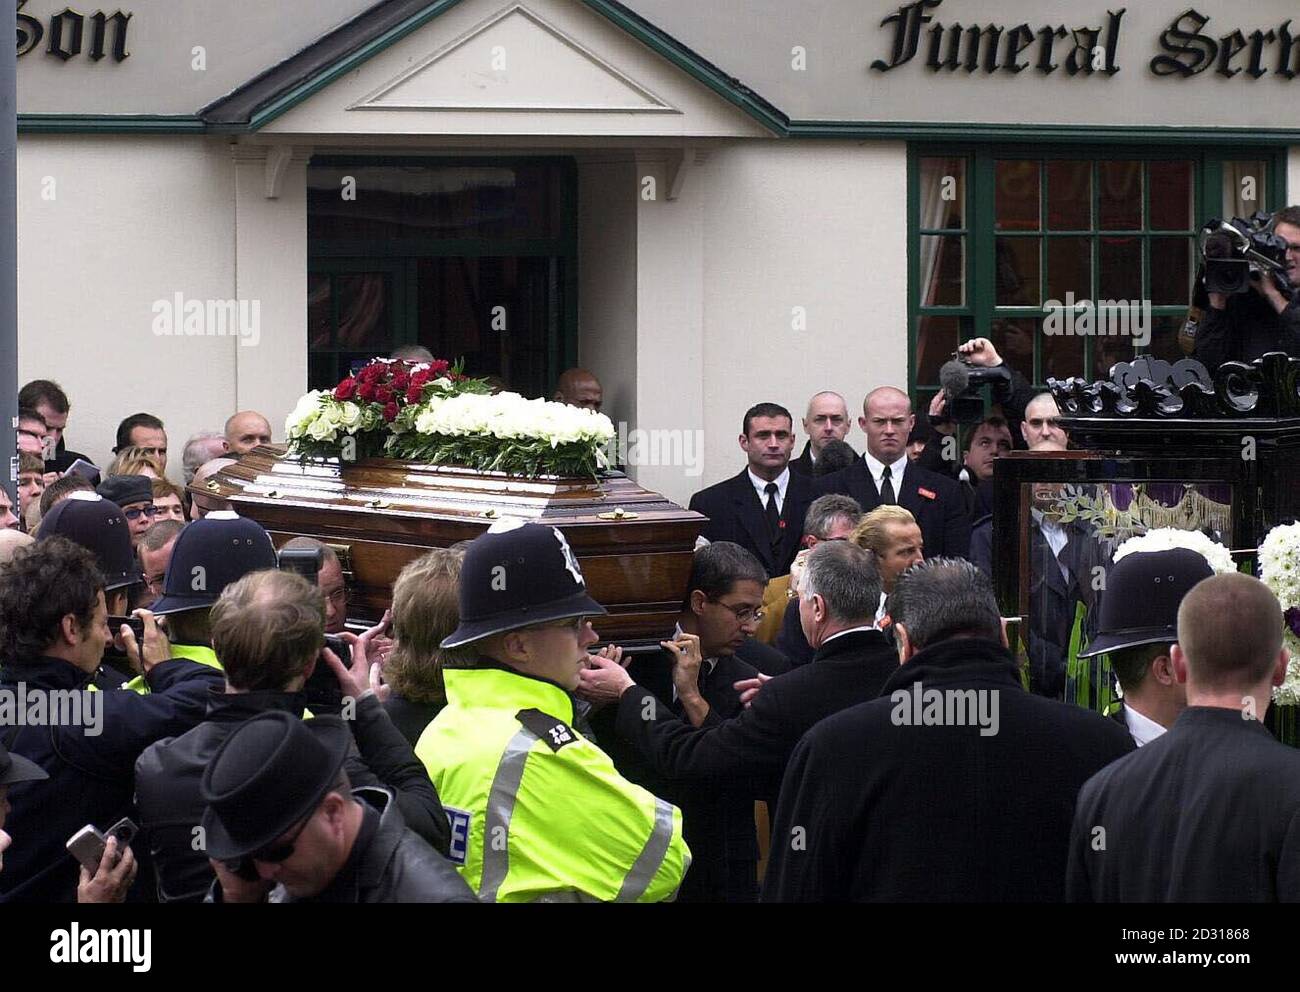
(201, 504)
(1041, 427)
(827, 420)
(578, 387)
(884, 475)
(245, 431)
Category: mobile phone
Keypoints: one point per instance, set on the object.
(135, 623)
(87, 844)
(304, 561)
(339, 647)
(322, 690)
(243, 868)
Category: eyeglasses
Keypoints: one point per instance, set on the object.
(279, 853)
(155, 581)
(574, 624)
(744, 614)
(340, 596)
(135, 514)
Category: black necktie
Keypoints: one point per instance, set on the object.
(773, 514)
(886, 487)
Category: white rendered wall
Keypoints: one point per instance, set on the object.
(760, 229)
(607, 281)
(132, 220)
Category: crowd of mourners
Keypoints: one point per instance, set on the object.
(840, 711)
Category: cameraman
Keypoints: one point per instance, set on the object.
(1011, 397)
(1244, 327)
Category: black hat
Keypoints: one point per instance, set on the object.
(14, 768)
(516, 575)
(1143, 592)
(268, 775)
(98, 525)
(209, 555)
(127, 489)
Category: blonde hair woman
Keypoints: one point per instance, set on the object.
(135, 461)
(425, 610)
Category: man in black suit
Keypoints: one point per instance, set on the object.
(839, 592)
(1064, 563)
(885, 475)
(762, 508)
(827, 419)
(1139, 622)
(1208, 812)
(51, 402)
(955, 785)
(694, 677)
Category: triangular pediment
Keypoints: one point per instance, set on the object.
(514, 61)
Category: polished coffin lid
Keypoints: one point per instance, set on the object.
(635, 546)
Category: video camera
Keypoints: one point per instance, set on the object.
(1238, 251)
(962, 383)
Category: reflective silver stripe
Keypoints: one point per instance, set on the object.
(651, 856)
(500, 808)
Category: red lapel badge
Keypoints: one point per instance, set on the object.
(927, 493)
(781, 524)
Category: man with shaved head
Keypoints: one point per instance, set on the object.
(201, 504)
(827, 420)
(1041, 427)
(578, 387)
(884, 475)
(1210, 810)
(245, 431)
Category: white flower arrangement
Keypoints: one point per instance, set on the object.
(1279, 569)
(435, 414)
(320, 419)
(507, 433)
(1169, 538)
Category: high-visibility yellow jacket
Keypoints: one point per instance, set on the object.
(201, 653)
(538, 812)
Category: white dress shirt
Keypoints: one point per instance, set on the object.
(880, 610)
(896, 469)
(1056, 538)
(1143, 729)
(760, 487)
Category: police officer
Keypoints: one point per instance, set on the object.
(209, 555)
(538, 811)
(99, 525)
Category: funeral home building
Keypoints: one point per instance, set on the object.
(708, 203)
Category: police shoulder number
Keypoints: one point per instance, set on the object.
(556, 734)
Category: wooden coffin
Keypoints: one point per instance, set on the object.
(635, 546)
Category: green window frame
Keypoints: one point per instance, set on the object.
(978, 311)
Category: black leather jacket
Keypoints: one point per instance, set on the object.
(168, 775)
(388, 863)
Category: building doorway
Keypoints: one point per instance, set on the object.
(472, 258)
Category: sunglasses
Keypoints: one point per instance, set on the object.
(144, 511)
(275, 854)
(574, 624)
